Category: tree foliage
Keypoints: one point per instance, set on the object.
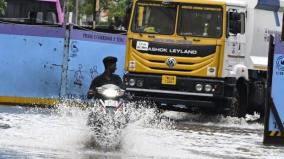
(70, 5)
(117, 8)
(3, 5)
(87, 7)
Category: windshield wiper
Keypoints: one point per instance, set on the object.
(186, 34)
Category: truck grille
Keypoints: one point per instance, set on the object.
(153, 57)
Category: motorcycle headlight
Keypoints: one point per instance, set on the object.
(110, 93)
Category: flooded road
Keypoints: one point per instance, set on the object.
(62, 133)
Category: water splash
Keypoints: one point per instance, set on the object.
(108, 128)
(250, 121)
(45, 132)
(62, 132)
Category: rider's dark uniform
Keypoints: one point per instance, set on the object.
(106, 78)
(101, 80)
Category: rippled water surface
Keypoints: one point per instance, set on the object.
(62, 132)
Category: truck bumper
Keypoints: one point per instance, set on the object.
(183, 94)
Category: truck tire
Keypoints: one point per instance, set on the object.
(257, 98)
(238, 103)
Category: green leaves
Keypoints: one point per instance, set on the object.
(3, 5)
(87, 7)
(117, 8)
(114, 8)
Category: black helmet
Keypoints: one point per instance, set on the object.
(109, 59)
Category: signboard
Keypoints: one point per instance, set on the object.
(274, 131)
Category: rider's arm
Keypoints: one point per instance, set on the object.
(91, 94)
(92, 90)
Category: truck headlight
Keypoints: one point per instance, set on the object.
(198, 87)
(208, 87)
(132, 82)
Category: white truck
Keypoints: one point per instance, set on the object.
(246, 48)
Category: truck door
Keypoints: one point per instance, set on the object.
(235, 47)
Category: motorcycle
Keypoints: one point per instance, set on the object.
(108, 117)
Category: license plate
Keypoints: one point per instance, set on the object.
(111, 103)
(170, 80)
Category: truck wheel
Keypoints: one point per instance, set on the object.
(236, 108)
(238, 103)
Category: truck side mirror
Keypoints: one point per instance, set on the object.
(235, 16)
(234, 27)
(235, 23)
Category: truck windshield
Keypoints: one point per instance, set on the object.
(200, 21)
(154, 18)
(31, 12)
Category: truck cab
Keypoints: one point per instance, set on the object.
(199, 55)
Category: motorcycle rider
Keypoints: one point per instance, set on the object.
(107, 77)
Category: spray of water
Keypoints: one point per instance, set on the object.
(249, 121)
(62, 132)
(44, 132)
(108, 128)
